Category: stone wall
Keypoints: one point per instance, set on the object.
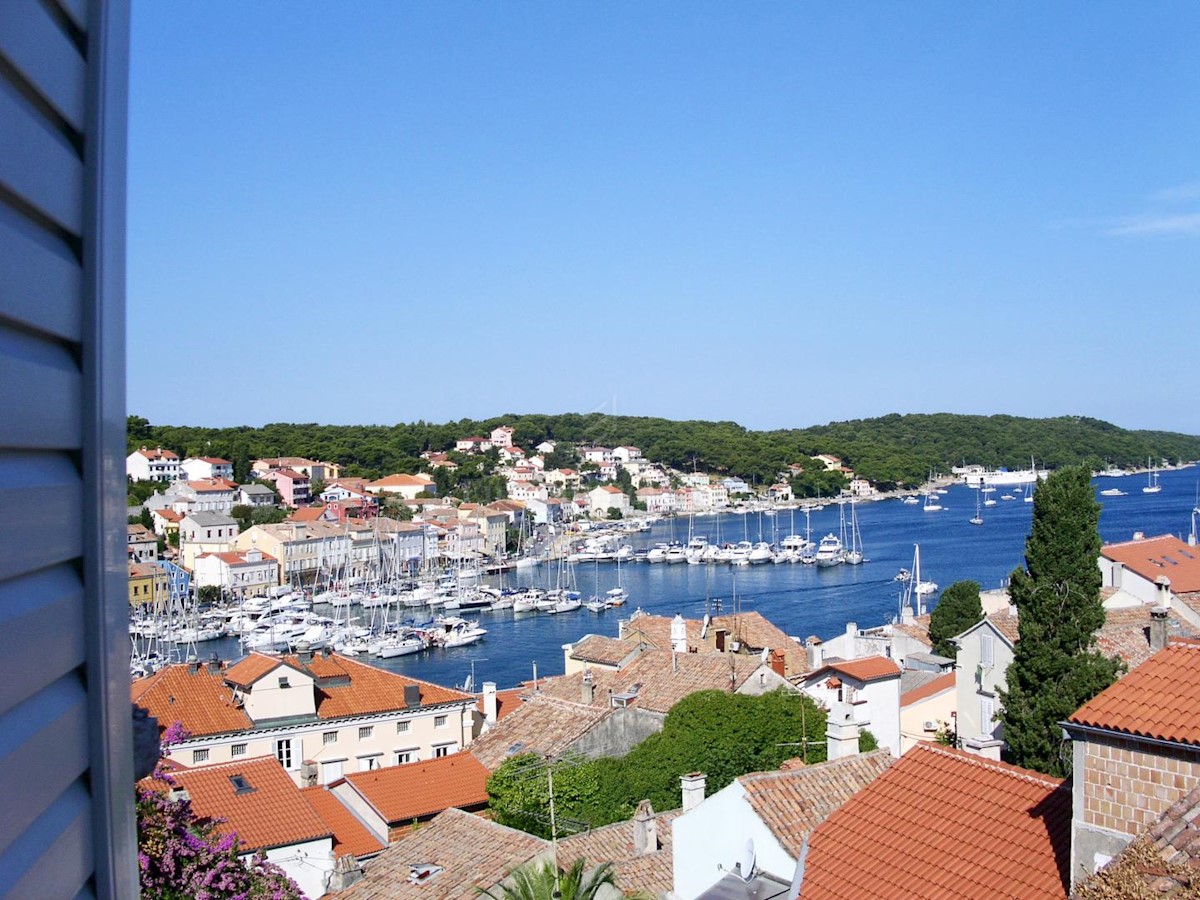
(619, 733)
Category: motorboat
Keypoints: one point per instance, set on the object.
(830, 551)
(760, 553)
(1113, 492)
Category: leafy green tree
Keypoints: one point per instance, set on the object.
(210, 593)
(537, 881)
(957, 610)
(1056, 668)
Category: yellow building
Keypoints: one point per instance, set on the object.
(147, 584)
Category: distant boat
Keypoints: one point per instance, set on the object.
(1152, 485)
(1112, 492)
(830, 551)
(854, 556)
(976, 519)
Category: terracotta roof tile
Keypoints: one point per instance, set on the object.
(651, 873)
(203, 701)
(1126, 633)
(659, 681)
(271, 813)
(867, 668)
(602, 650)
(416, 790)
(350, 836)
(941, 683)
(918, 629)
(1159, 699)
(1154, 557)
(200, 700)
(752, 629)
(942, 823)
(473, 852)
(792, 803)
(507, 702)
(542, 725)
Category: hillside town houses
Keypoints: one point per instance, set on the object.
(385, 776)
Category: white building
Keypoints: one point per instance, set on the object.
(657, 500)
(210, 495)
(248, 573)
(198, 468)
(502, 436)
(152, 465)
(868, 689)
(205, 532)
(255, 495)
(320, 714)
(985, 651)
(605, 498)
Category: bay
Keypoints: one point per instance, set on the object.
(801, 600)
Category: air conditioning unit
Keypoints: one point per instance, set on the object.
(931, 725)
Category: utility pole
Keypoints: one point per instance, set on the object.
(553, 829)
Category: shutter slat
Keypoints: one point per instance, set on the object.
(44, 56)
(49, 602)
(46, 406)
(49, 485)
(75, 10)
(53, 858)
(54, 186)
(40, 281)
(46, 734)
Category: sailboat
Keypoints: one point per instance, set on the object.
(854, 555)
(976, 519)
(1152, 485)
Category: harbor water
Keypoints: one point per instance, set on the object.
(801, 600)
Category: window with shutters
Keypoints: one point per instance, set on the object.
(987, 711)
(283, 752)
(987, 649)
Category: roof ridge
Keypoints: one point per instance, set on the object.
(1000, 768)
(821, 766)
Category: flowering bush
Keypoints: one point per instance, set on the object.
(184, 857)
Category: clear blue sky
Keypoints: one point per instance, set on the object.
(776, 213)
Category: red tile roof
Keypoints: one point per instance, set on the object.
(273, 813)
(507, 702)
(350, 836)
(930, 688)
(203, 701)
(200, 700)
(1158, 556)
(941, 823)
(868, 668)
(1159, 699)
(421, 789)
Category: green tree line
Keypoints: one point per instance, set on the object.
(889, 450)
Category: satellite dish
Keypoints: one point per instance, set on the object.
(704, 626)
(746, 862)
(766, 655)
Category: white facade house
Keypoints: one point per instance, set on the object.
(627, 455)
(320, 714)
(868, 688)
(205, 532)
(657, 500)
(1153, 571)
(249, 573)
(152, 465)
(210, 495)
(502, 436)
(524, 491)
(985, 651)
(255, 495)
(198, 468)
(596, 455)
(605, 498)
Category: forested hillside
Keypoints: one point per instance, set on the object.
(893, 449)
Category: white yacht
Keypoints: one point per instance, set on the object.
(830, 551)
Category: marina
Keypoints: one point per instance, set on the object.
(594, 590)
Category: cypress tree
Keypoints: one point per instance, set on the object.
(1056, 668)
(957, 610)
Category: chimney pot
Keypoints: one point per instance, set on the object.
(1158, 628)
(692, 785)
(490, 708)
(645, 829)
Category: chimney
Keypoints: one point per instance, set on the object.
(588, 693)
(214, 663)
(679, 634)
(693, 790)
(851, 629)
(1163, 583)
(412, 696)
(304, 653)
(1118, 571)
(193, 663)
(777, 663)
(489, 703)
(645, 829)
(812, 645)
(906, 615)
(308, 773)
(841, 732)
(346, 871)
(1158, 628)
